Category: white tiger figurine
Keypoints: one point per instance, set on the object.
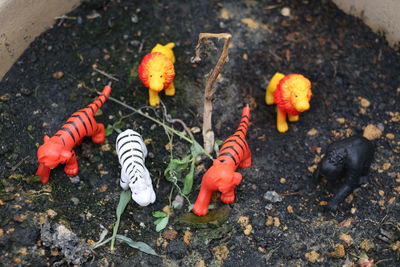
(131, 152)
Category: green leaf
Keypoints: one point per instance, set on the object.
(109, 130)
(159, 214)
(188, 182)
(217, 144)
(162, 224)
(173, 172)
(143, 247)
(118, 125)
(196, 149)
(124, 199)
(158, 220)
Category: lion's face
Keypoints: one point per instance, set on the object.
(156, 71)
(293, 94)
(300, 91)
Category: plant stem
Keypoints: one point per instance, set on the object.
(208, 133)
(172, 130)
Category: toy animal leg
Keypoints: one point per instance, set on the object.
(200, 208)
(281, 123)
(170, 91)
(71, 167)
(273, 84)
(154, 99)
(124, 180)
(144, 149)
(99, 136)
(228, 197)
(246, 161)
(293, 118)
(269, 97)
(343, 192)
(44, 173)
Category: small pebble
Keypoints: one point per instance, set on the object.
(134, 43)
(285, 12)
(134, 18)
(272, 196)
(58, 75)
(269, 207)
(75, 179)
(75, 200)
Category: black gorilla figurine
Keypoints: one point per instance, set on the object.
(348, 159)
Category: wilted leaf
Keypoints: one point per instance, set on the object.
(143, 247)
(214, 218)
(118, 125)
(205, 236)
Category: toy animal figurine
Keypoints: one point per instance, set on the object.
(58, 149)
(292, 95)
(221, 176)
(349, 159)
(131, 152)
(157, 72)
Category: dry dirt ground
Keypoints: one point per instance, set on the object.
(355, 77)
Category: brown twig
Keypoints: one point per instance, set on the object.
(208, 134)
(109, 76)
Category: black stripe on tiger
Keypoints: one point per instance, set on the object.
(68, 131)
(90, 106)
(87, 116)
(97, 105)
(101, 98)
(128, 157)
(244, 124)
(126, 169)
(126, 151)
(62, 138)
(82, 121)
(126, 136)
(233, 140)
(229, 155)
(137, 162)
(241, 130)
(130, 141)
(74, 125)
(241, 139)
(231, 147)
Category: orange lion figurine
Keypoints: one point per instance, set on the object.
(292, 94)
(59, 148)
(222, 176)
(157, 72)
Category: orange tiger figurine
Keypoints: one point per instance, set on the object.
(58, 149)
(234, 153)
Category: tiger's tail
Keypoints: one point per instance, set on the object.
(244, 122)
(96, 105)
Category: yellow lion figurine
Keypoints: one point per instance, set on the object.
(292, 94)
(157, 72)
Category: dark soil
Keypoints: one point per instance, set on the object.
(346, 62)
